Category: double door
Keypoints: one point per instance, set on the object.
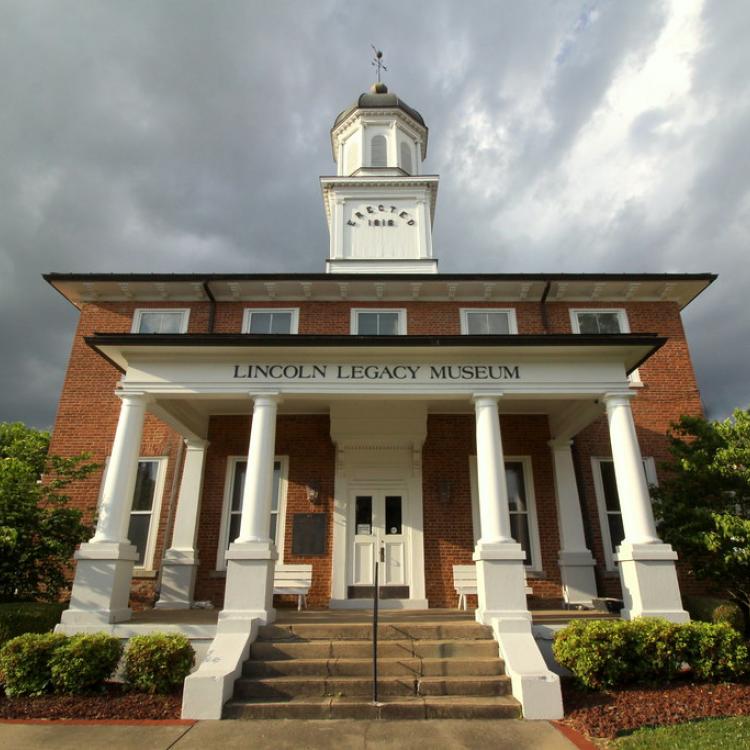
(378, 519)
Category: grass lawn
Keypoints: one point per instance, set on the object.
(729, 734)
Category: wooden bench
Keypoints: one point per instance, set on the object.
(293, 579)
(465, 582)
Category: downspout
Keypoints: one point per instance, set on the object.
(542, 302)
(211, 306)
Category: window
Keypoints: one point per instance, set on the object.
(488, 322)
(369, 322)
(148, 320)
(234, 488)
(270, 321)
(608, 502)
(144, 514)
(523, 520)
(405, 157)
(599, 321)
(378, 151)
(603, 322)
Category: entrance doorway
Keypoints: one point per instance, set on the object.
(379, 533)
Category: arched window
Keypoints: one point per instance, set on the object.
(378, 151)
(405, 157)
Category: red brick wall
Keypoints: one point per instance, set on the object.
(88, 412)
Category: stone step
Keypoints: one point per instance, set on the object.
(412, 707)
(289, 687)
(363, 667)
(396, 631)
(395, 649)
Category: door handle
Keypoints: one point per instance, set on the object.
(382, 553)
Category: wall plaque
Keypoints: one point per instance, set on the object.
(309, 534)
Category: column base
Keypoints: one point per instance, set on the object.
(501, 582)
(178, 572)
(649, 582)
(578, 580)
(249, 584)
(101, 587)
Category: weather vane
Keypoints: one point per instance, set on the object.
(378, 60)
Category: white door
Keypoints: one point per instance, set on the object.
(378, 524)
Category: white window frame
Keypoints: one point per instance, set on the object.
(138, 314)
(649, 469)
(232, 461)
(355, 311)
(528, 480)
(153, 529)
(635, 377)
(249, 311)
(509, 311)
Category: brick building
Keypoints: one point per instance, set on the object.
(379, 410)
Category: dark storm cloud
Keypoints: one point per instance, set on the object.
(188, 136)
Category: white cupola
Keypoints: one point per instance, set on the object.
(380, 207)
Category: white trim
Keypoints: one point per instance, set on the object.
(619, 311)
(153, 528)
(232, 462)
(401, 311)
(528, 481)
(138, 314)
(509, 311)
(649, 467)
(635, 376)
(294, 311)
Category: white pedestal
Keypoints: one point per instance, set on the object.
(179, 568)
(649, 582)
(101, 587)
(249, 583)
(577, 573)
(501, 582)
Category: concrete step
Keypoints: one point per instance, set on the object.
(393, 649)
(396, 631)
(363, 667)
(412, 707)
(288, 687)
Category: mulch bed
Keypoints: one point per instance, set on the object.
(113, 703)
(609, 713)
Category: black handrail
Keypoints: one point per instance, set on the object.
(375, 598)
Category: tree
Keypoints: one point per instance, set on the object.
(703, 502)
(38, 530)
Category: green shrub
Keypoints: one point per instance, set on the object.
(715, 652)
(158, 663)
(17, 618)
(714, 609)
(25, 663)
(596, 651)
(84, 662)
(606, 653)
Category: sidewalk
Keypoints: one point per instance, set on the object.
(506, 734)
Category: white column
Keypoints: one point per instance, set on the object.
(576, 562)
(119, 484)
(647, 571)
(251, 557)
(180, 562)
(501, 582)
(104, 569)
(499, 559)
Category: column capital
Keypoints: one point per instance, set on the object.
(617, 399)
(134, 397)
(477, 398)
(265, 398)
(195, 444)
(559, 443)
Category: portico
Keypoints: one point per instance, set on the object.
(378, 400)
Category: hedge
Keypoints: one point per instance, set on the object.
(17, 618)
(608, 653)
(83, 662)
(159, 662)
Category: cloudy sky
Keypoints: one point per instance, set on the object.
(173, 136)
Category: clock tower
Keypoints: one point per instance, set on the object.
(379, 206)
